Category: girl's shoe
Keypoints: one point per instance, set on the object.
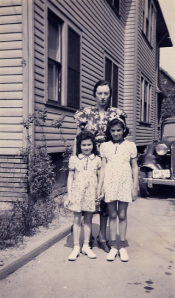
(87, 251)
(123, 255)
(112, 254)
(103, 245)
(74, 254)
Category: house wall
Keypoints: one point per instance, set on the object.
(101, 32)
(146, 66)
(12, 167)
(130, 50)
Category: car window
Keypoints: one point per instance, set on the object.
(168, 130)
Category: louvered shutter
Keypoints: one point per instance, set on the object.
(115, 86)
(108, 70)
(73, 87)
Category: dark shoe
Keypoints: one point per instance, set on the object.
(103, 245)
(91, 242)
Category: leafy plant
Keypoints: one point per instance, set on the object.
(37, 208)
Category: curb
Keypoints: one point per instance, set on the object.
(34, 253)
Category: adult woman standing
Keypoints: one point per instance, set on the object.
(95, 119)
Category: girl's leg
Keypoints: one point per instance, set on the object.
(87, 226)
(87, 231)
(122, 214)
(76, 233)
(77, 227)
(112, 209)
(103, 224)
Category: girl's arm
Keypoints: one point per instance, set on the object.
(102, 174)
(134, 167)
(69, 187)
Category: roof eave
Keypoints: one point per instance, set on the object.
(162, 29)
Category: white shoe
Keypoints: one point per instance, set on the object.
(112, 254)
(87, 251)
(74, 254)
(123, 255)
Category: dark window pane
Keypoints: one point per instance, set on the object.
(73, 89)
(54, 81)
(116, 4)
(50, 80)
(53, 39)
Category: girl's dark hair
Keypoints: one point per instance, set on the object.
(115, 122)
(86, 135)
(102, 83)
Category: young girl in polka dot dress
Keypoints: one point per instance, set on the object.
(118, 180)
(82, 190)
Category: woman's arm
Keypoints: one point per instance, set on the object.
(134, 168)
(102, 174)
(69, 187)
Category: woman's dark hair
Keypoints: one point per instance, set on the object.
(115, 122)
(102, 83)
(86, 135)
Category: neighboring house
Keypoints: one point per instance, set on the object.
(167, 86)
(52, 54)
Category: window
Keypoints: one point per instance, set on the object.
(115, 5)
(111, 75)
(54, 58)
(63, 65)
(145, 101)
(147, 25)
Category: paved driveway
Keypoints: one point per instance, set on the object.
(150, 271)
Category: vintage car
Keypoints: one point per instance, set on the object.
(157, 164)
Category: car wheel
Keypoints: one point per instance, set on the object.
(144, 190)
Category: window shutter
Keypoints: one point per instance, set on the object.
(115, 86)
(108, 70)
(73, 88)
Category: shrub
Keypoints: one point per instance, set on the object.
(37, 208)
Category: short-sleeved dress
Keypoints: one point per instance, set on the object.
(84, 187)
(118, 181)
(89, 118)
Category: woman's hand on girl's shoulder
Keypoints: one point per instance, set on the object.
(134, 194)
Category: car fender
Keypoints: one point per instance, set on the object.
(150, 162)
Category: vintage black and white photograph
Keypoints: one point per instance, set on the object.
(87, 148)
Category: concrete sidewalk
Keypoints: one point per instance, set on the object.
(151, 247)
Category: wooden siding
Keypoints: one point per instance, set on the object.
(11, 76)
(101, 32)
(129, 68)
(147, 67)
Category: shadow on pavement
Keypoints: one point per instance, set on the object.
(95, 231)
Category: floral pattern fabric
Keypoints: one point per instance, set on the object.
(84, 186)
(118, 181)
(89, 118)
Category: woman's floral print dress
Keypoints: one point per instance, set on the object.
(89, 118)
(84, 186)
(118, 181)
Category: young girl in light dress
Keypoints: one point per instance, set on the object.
(82, 190)
(118, 180)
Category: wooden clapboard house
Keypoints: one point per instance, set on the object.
(52, 52)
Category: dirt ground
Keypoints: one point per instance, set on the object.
(63, 218)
